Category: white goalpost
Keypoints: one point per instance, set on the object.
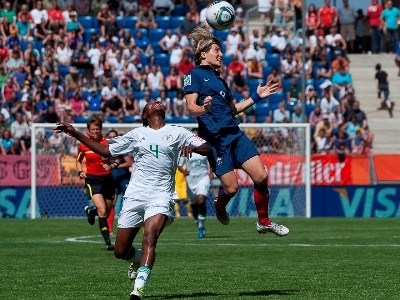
(284, 149)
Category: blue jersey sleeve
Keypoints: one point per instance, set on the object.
(191, 83)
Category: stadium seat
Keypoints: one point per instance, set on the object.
(177, 21)
(156, 34)
(47, 83)
(185, 119)
(253, 84)
(69, 94)
(131, 119)
(261, 118)
(267, 71)
(144, 58)
(169, 119)
(138, 95)
(112, 119)
(154, 95)
(286, 84)
(24, 45)
(95, 23)
(308, 82)
(262, 109)
(273, 60)
(309, 109)
(165, 70)
(130, 22)
(86, 21)
(163, 22)
(49, 133)
(38, 45)
(156, 47)
(171, 95)
(179, 10)
(276, 99)
(85, 95)
(161, 59)
(226, 59)
(64, 70)
(268, 47)
(81, 119)
(120, 22)
(88, 33)
(143, 30)
(222, 34)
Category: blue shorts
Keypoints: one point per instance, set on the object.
(230, 155)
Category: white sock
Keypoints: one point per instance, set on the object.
(143, 274)
(200, 221)
(137, 257)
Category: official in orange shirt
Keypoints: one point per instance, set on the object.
(99, 182)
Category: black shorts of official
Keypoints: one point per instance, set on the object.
(104, 185)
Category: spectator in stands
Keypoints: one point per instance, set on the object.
(117, 66)
(24, 28)
(362, 121)
(232, 41)
(124, 88)
(328, 101)
(49, 66)
(143, 43)
(56, 142)
(108, 91)
(293, 94)
(155, 79)
(55, 13)
(328, 16)
(146, 98)
(351, 126)
(341, 80)
(7, 143)
(131, 107)
(8, 16)
(266, 10)
(73, 24)
(297, 116)
(78, 107)
(289, 67)
(130, 7)
(239, 85)
(180, 105)
(127, 41)
(24, 10)
(374, 11)
(382, 86)
(93, 102)
(277, 144)
(186, 65)
(340, 62)
(172, 81)
(103, 16)
(240, 23)
(3, 78)
(336, 43)
(175, 55)
(79, 58)
(255, 50)
(37, 79)
(146, 18)
(39, 13)
(163, 7)
(19, 127)
(3, 51)
(275, 78)
(279, 40)
(312, 20)
(167, 43)
(315, 117)
(50, 116)
(15, 61)
(187, 26)
(72, 80)
(254, 68)
(323, 69)
(63, 54)
(41, 30)
(111, 29)
(323, 144)
(8, 88)
(20, 75)
(326, 125)
(311, 95)
(55, 90)
(114, 107)
(166, 101)
(281, 113)
(389, 17)
(347, 16)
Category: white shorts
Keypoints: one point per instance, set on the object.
(199, 187)
(135, 212)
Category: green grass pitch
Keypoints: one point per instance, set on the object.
(319, 259)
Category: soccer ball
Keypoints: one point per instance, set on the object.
(220, 15)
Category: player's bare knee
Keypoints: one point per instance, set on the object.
(231, 191)
(102, 212)
(261, 179)
(120, 253)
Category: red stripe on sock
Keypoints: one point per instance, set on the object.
(110, 219)
(261, 199)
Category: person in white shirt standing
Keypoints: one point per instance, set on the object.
(148, 198)
(347, 18)
(39, 13)
(198, 177)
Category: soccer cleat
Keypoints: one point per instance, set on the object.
(202, 233)
(222, 218)
(91, 219)
(132, 270)
(109, 247)
(275, 228)
(134, 297)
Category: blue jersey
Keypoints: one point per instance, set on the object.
(119, 173)
(205, 81)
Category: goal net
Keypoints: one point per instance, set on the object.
(284, 150)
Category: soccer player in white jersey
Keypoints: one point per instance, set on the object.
(198, 175)
(148, 200)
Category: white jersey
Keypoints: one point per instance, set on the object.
(197, 166)
(156, 154)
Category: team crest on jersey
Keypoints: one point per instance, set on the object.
(167, 138)
(187, 80)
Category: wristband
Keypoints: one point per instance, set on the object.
(79, 173)
(256, 98)
(115, 164)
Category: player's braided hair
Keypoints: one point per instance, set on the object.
(202, 41)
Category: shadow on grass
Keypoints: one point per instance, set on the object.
(207, 294)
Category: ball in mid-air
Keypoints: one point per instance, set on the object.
(220, 15)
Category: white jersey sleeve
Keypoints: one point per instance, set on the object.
(123, 144)
(188, 138)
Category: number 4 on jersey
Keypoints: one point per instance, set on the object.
(154, 149)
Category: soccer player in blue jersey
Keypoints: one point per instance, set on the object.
(210, 100)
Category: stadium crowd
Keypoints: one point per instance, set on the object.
(64, 62)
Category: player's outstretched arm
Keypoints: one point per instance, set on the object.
(197, 110)
(263, 91)
(96, 147)
(203, 149)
